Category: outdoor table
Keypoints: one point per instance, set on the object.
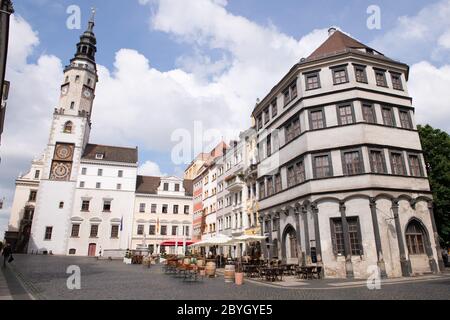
(273, 274)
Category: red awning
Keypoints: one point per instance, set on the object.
(173, 243)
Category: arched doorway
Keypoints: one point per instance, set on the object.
(289, 248)
(419, 247)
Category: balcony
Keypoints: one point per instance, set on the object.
(234, 183)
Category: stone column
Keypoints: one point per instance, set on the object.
(436, 238)
(315, 213)
(261, 231)
(306, 231)
(376, 232)
(269, 227)
(404, 263)
(347, 247)
(277, 224)
(301, 255)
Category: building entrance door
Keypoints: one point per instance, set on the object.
(92, 250)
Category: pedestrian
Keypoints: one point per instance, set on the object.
(7, 254)
(1, 246)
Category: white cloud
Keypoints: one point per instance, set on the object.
(420, 36)
(137, 104)
(429, 86)
(150, 168)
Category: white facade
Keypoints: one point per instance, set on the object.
(162, 216)
(110, 206)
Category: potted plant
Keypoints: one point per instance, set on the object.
(239, 274)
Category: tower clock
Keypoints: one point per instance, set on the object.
(62, 162)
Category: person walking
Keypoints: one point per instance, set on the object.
(7, 252)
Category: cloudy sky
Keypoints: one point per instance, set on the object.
(168, 66)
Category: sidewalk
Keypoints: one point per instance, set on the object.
(292, 282)
(10, 286)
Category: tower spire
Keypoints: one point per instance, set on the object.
(91, 23)
(87, 47)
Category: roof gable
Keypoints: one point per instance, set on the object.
(338, 42)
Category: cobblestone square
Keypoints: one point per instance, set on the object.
(45, 278)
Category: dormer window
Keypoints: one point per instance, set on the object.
(99, 156)
(166, 187)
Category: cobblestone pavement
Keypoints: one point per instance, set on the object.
(46, 278)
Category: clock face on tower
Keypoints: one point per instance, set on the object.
(61, 171)
(64, 90)
(87, 93)
(62, 162)
(64, 152)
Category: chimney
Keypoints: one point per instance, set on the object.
(331, 31)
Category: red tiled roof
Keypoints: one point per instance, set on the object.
(337, 42)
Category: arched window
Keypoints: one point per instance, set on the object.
(68, 127)
(415, 237)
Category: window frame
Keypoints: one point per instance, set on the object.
(383, 71)
(330, 164)
(105, 204)
(391, 153)
(394, 122)
(383, 160)
(364, 105)
(83, 202)
(364, 70)
(91, 234)
(409, 119)
(344, 105)
(399, 86)
(48, 234)
(312, 74)
(361, 161)
(339, 68)
(419, 159)
(274, 108)
(75, 227)
(115, 227)
(324, 119)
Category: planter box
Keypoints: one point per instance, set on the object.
(239, 278)
(127, 260)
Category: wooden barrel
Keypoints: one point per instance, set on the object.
(211, 269)
(229, 273)
(200, 263)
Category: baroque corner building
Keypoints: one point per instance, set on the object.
(342, 181)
